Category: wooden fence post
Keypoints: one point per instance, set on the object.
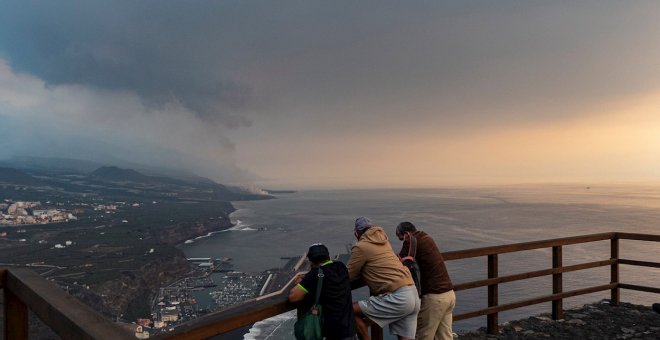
(614, 275)
(376, 332)
(557, 284)
(16, 317)
(493, 294)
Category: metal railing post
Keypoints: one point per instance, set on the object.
(557, 284)
(493, 294)
(614, 275)
(16, 317)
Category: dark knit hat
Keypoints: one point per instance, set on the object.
(318, 252)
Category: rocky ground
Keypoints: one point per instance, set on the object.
(595, 321)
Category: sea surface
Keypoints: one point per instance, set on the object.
(457, 218)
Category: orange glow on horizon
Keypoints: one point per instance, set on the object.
(619, 144)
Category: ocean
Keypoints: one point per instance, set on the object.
(457, 218)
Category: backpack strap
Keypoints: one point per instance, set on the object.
(319, 284)
(412, 245)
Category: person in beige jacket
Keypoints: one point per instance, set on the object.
(394, 301)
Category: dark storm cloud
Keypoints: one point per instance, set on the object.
(203, 69)
(162, 50)
(227, 60)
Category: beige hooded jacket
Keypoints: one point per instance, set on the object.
(373, 260)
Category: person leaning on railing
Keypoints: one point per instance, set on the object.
(336, 299)
(394, 301)
(438, 298)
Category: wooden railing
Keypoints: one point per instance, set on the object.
(64, 314)
(556, 271)
(73, 320)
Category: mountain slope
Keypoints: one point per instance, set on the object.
(14, 176)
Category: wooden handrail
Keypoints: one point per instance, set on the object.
(640, 263)
(529, 275)
(66, 315)
(71, 319)
(516, 247)
(640, 288)
(524, 303)
(638, 237)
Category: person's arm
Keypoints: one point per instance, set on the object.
(297, 293)
(355, 263)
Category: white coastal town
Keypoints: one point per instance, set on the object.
(23, 212)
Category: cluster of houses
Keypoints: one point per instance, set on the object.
(18, 213)
(105, 207)
(111, 208)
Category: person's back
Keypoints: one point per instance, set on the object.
(394, 301)
(434, 276)
(335, 299)
(438, 298)
(374, 261)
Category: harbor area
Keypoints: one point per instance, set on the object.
(213, 286)
(206, 265)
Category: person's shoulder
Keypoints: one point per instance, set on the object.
(338, 264)
(337, 268)
(358, 246)
(333, 265)
(313, 272)
(419, 234)
(424, 238)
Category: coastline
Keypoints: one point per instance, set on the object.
(227, 227)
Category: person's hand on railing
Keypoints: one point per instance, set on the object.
(299, 277)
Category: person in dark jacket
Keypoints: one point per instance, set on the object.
(336, 299)
(438, 299)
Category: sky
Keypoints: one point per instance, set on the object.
(338, 94)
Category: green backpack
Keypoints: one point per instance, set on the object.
(310, 325)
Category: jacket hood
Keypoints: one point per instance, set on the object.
(375, 235)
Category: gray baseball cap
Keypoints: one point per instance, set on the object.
(362, 223)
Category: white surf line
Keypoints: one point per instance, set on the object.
(274, 329)
(238, 224)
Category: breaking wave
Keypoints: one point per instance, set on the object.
(240, 226)
(271, 328)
